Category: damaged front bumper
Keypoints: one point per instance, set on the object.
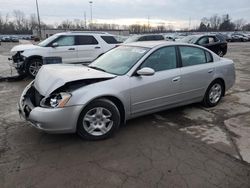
(18, 61)
(54, 120)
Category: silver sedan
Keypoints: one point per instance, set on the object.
(129, 81)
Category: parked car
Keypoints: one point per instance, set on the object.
(6, 39)
(149, 37)
(128, 81)
(72, 47)
(14, 39)
(239, 37)
(215, 43)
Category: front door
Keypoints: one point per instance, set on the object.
(66, 49)
(160, 89)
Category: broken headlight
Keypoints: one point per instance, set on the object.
(56, 100)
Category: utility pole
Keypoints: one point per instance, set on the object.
(90, 3)
(148, 24)
(39, 23)
(189, 25)
(85, 20)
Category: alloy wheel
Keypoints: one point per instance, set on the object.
(97, 121)
(34, 67)
(215, 93)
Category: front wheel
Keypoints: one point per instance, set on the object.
(213, 94)
(99, 120)
(33, 67)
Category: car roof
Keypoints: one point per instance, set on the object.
(84, 33)
(153, 44)
(148, 44)
(160, 43)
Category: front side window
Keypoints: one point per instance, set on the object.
(161, 59)
(66, 41)
(86, 40)
(192, 56)
(203, 40)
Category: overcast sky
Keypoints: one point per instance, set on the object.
(175, 12)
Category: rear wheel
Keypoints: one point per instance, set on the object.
(33, 67)
(99, 120)
(213, 94)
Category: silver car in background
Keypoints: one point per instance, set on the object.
(129, 81)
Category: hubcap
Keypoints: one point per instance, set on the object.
(34, 67)
(97, 121)
(215, 93)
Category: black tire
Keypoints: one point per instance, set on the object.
(207, 101)
(30, 63)
(105, 104)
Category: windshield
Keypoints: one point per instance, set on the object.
(119, 60)
(189, 39)
(47, 41)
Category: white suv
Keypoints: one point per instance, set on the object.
(72, 47)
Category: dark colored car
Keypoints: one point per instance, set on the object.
(214, 42)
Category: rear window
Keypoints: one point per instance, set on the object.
(86, 40)
(109, 39)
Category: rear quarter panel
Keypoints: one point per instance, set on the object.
(224, 68)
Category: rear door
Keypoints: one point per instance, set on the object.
(66, 49)
(88, 48)
(160, 89)
(197, 71)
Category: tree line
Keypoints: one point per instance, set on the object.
(223, 23)
(19, 23)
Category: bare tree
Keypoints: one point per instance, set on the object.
(19, 19)
(239, 24)
(215, 22)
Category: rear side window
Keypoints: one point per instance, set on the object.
(86, 40)
(192, 56)
(159, 37)
(109, 39)
(209, 57)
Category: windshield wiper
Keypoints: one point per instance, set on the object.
(97, 68)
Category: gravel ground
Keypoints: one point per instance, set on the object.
(184, 147)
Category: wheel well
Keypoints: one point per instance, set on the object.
(34, 57)
(26, 64)
(119, 105)
(223, 83)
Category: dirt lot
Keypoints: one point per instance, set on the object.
(184, 147)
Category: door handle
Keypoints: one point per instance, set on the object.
(210, 71)
(97, 47)
(176, 79)
(71, 49)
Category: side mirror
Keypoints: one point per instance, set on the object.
(54, 45)
(146, 71)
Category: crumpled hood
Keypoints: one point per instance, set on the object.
(51, 77)
(23, 47)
